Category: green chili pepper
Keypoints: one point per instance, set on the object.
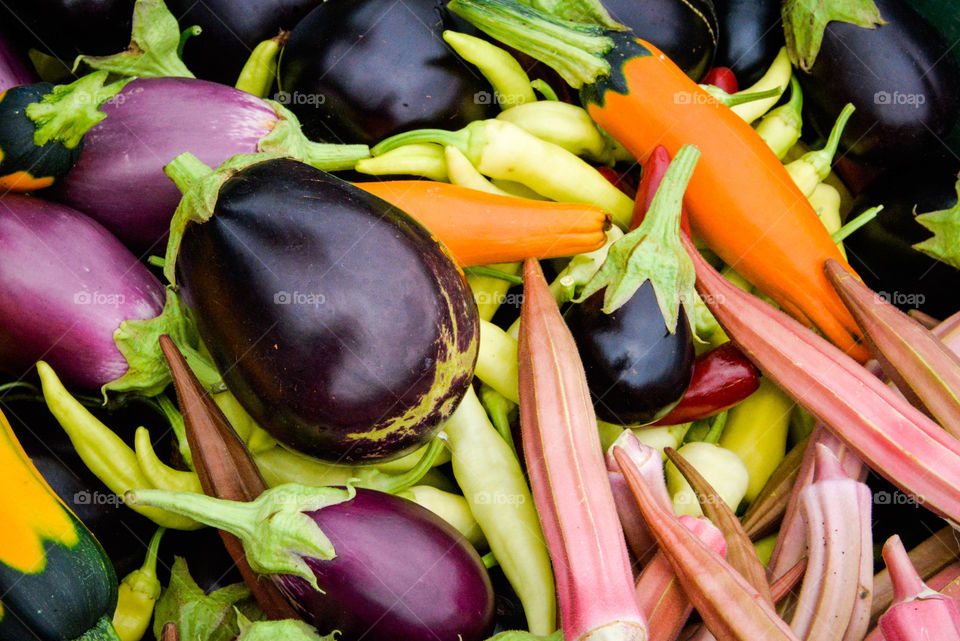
(812, 167)
(425, 160)
(157, 472)
(497, 360)
(137, 594)
(260, 70)
(103, 452)
(503, 150)
(511, 85)
(781, 128)
(498, 409)
(460, 171)
(563, 124)
(756, 430)
(494, 486)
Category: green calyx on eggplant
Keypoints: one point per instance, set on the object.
(359, 71)
(339, 323)
(902, 80)
(882, 251)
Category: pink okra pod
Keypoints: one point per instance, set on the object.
(568, 477)
(659, 592)
(834, 602)
(730, 607)
(894, 438)
(918, 613)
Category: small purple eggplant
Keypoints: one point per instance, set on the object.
(119, 177)
(369, 564)
(73, 295)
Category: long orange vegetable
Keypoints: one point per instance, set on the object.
(742, 202)
(481, 229)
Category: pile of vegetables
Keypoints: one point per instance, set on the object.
(492, 319)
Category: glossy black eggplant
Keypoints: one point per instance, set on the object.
(899, 76)
(361, 70)
(231, 29)
(881, 252)
(339, 323)
(751, 35)
(685, 30)
(66, 28)
(636, 370)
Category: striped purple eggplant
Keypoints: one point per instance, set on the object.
(73, 295)
(119, 178)
(340, 323)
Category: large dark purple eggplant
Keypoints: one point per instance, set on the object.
(14, 67)
(881, 252)
(231, 29)
(119, 177)
(362, 70)
(685, 30)
(338, 322)
(66, 28)
(66, 285)
(751, 35)
(372, 565)
(899, 76)
(637, 371)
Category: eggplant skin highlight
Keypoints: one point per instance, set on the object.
(339, 322)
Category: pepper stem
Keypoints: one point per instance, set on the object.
(822, 159)
(276, 532)
(70, 111)
(459, 139)
(288, 139)
(741, 97)
(853, 225)
(574, 50)
(425, 464)
(653, 251)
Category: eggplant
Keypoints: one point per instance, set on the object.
(231, 30)
(685, 30)
(70, 293)
(339, 323)
(66, 28)
(369, 564)
(901, 79)
(119, 179)
(881, 252)
(362, 70)
(751, 35)
(14, 68)
(637, 371)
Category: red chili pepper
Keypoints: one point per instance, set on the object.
(722, 78)
(722, 378)
(653, 172)
(618, 180)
